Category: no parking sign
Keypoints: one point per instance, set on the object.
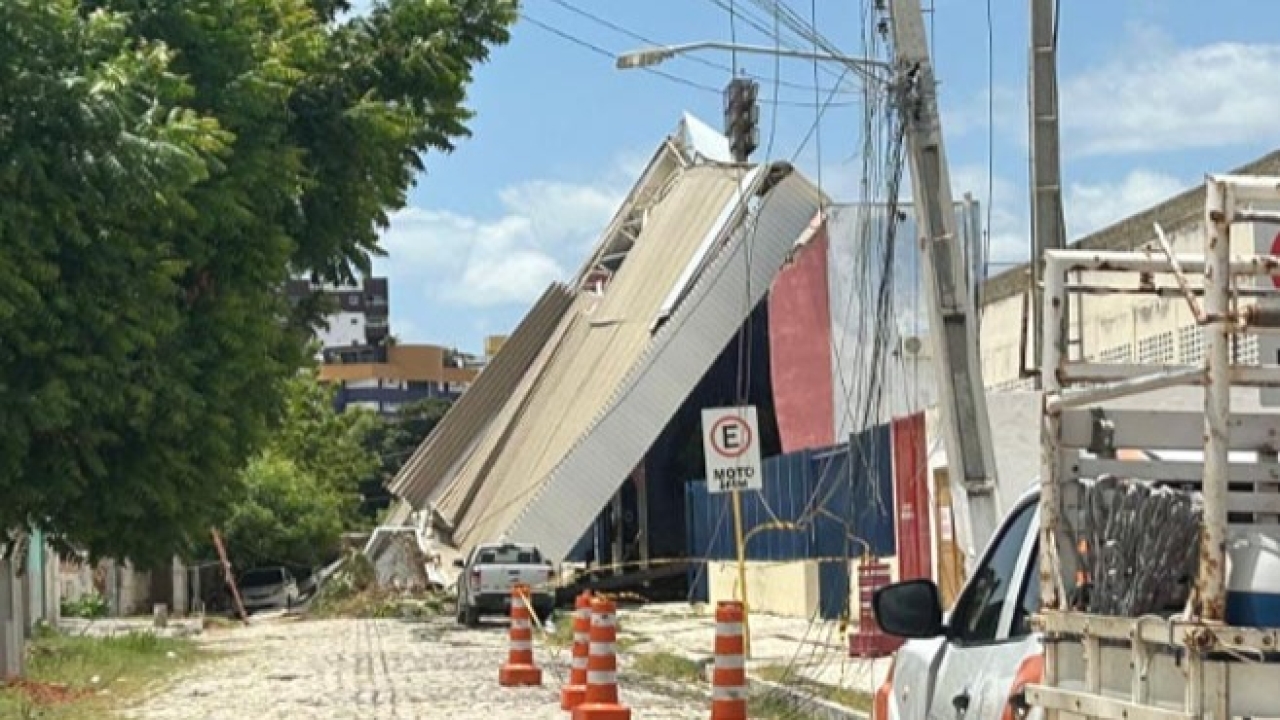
(730, 442)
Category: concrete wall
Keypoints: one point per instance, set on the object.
(1114, 328)
(787, 589)
(11, 621)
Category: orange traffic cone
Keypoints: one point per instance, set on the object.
(729, 683)
(573, 693)
(601, 702)
(520, 670)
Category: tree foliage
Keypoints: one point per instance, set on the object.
(302, 491)
(393, 439)
(165, 167)
(331, 447)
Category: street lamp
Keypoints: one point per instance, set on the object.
(741, 113)
(650, 56)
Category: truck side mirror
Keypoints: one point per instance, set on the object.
(909, 609)
(458, 563)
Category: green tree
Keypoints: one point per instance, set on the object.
(285, 516)
(303, 490)
(393, 439)
(165, 166)
(329, 446)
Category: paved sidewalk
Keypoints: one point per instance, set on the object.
(816, 651)
(371, 670)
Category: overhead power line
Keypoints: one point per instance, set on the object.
(733, 71)
(603, 52)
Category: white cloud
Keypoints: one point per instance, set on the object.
(1148, 96)
(502, 260)
(560, 210)
(1009, 226)
(1090, 207)
(1154, 96)
(1006, 112)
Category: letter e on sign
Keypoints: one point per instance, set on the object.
(730, 442)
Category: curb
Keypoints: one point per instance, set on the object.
(798, 699)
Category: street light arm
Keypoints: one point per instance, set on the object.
(648, 57)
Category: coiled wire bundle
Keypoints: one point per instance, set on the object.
(1142, 546)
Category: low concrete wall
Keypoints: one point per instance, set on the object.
(786, 589)
(12, 616)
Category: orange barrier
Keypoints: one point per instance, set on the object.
(520, 670)
(729, 684)
(575, 691)
(601, 701)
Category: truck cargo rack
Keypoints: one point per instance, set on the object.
(1118, 420)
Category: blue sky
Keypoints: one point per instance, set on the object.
(1154, 93)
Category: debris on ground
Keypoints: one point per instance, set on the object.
(352, 591)
(46, 693)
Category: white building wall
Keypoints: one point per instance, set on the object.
(857, 254)
(1114, 328)
(345, 329)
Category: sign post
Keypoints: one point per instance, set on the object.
(1266, 241)
(730, 444)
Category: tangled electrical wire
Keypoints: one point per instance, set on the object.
(1142, 542)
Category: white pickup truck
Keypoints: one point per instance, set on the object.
(489, 573)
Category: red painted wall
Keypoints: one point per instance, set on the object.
(800, 349)
(911, 494)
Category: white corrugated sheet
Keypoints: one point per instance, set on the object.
(668, 369)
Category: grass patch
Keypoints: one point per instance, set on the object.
(668, 666)
(84, 678)
(627, 642)
(848, 697)
(769, 707)
(563, 635)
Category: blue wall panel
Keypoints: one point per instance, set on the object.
(871, 453)
(840, 498)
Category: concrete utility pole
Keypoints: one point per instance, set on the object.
(1048, 228)
(742, 117)
(953, 329)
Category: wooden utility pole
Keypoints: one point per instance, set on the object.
(226, 573)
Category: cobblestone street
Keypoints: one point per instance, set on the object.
(368, 669)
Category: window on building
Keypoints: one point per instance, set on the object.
(1119, 354)
(1156, 349)
(1247, 350)
(1190, 345)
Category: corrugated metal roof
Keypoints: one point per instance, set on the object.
(545, 451)
(429, 465)
(603, 337)
(457, 498)
(664, 370)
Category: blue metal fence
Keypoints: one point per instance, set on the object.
(839, 498)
